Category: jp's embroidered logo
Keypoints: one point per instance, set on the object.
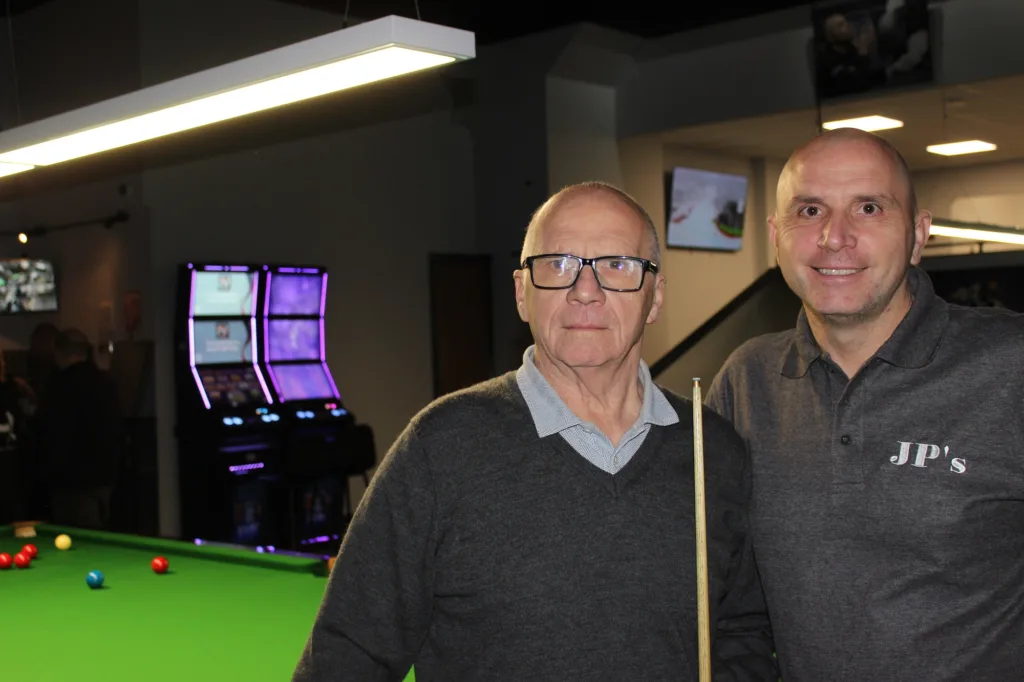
(923, 453)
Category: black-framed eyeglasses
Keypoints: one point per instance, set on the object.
(613, 273)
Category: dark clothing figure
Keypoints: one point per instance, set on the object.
(80, 442)
(14, 470)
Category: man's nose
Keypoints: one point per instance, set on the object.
(837, 234)
(586, 289)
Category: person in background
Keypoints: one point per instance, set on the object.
(886, 440)
(15, 466)
(40, 366)
(540, 525)
(79, 435)
(41, 361)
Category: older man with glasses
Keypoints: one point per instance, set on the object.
(540, 525)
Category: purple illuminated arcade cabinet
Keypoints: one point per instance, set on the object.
(323, 445)
(229, 425)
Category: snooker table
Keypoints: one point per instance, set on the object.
(219, 613)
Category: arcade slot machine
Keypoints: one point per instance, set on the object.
(228, 426)
(324, 445)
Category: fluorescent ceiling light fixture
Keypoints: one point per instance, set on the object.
(965, 147)
(978, 232)
(354, 56)
(12, 168)
(868, 123)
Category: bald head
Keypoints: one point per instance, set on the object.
(589, 191)
(835, 141)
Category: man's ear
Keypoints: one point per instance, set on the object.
(922, 230)
(659, 298)
(519, 276)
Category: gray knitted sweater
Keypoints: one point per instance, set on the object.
(482, 552)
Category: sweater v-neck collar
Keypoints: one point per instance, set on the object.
(615, 483)
(557, 446)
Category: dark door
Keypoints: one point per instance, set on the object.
(461, 327)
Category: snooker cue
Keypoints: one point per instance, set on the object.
(703, 617)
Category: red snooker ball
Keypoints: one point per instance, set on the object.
(5, 560)
(159, 565)
(30, 550)
(21, 560)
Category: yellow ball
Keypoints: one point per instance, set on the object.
(62, 542)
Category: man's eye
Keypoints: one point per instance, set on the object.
(872, 209)
(810, 212)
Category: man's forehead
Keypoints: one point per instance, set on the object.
(592, 212)
(834, 170)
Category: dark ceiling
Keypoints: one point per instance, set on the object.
(494, 20)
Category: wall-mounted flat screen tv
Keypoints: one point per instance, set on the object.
(27, 285)
(866, 45)
(705, 210)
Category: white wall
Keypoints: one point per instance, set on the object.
(95, 266)
(762, 75)
(734, 71)
(991, 193)
(698, 283)
(370, 205)
(581, 138)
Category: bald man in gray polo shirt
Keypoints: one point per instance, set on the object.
(540, 526)
(885, 433)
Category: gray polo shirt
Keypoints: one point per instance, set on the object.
(888, 511)
(551, 415)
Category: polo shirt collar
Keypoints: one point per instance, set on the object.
(917, 337)
(911, 346)
(551, 415)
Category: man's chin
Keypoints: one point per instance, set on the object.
(585, 356)
(843, 316)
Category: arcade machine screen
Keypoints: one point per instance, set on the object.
(293, 340)
(303, 382)
(222, 341)
(216, 344)
(223, 293)
(231, 388)
(296, 294)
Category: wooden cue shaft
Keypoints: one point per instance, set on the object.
(700, 518)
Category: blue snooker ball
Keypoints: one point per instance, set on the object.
(94, 579)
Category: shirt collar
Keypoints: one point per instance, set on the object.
(911, 346)
(551, 415)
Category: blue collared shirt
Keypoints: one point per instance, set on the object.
(551, 415)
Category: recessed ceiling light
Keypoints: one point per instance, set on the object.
(965, 147)
(868, 123)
